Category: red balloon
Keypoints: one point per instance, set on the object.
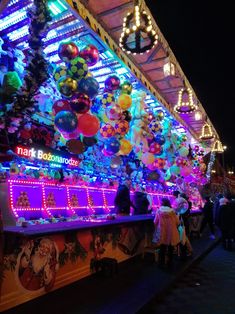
(68, 51)
(60, 105)
(91, 54)
(80, 103)
(88, 124)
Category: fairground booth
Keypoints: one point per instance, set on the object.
(91, 96)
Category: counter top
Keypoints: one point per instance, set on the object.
(67, 226)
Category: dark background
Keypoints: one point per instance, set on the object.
(201, 34)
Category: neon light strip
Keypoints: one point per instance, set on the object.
(106, 207)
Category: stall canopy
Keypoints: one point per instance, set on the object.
(81, 21)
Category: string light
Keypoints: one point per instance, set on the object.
(185, 107)
(217, 147)
(206, 133)
(141, 24)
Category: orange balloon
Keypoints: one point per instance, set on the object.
(124, 101)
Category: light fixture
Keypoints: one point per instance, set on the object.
(206, 133)
(213, 171)
(185, 107)
(169, 68)
(230, 172)
(198, 115)
(225, 147)
(217, 147)
(137, 24)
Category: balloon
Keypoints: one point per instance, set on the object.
(203, 167)
(126, 88)
(75, 146)
(66, 121)
(80, 103)
(160, 163)
(160, 139)
(89, 141)
(125, 147)
(60, 105)
(91, 54)
(181, 161)
(121, 127)
(107, 153)
(72, 135)
(185, 171)
(116, 161)
(88, 124)
(112, 145)
(89, 86)
(147, 158)
(107, 130)
(167, 175)
(67, 86)
(183, 151)
(107, 99)
(124, 101)
(184, 138)
(150, 116)
(67, 51)
(126, 115)
(114, 113)
(153, 176)
(160, 115)
(155, 126)
(174, 169)
(155, 148)
(112, 83)
(78, 68)
(59, 72)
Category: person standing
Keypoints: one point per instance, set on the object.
(166, 231)
(122, 199)
(208, 217)
(140, 202)
(227, 221)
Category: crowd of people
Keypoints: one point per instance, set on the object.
(171, 220)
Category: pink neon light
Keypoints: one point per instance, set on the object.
(68, 187)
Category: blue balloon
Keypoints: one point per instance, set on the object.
(66, 121)
(89, 85)
(112, 145)
(160, 139)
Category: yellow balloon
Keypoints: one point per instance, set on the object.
(124, 101)
(125, 147)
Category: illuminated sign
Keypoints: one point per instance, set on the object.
(50, 156)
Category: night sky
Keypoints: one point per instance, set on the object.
(201, 34)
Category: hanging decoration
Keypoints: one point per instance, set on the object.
(206, 133)
(188, 106)
(210, 166)
(198, 116)
(217, 147)
(36, 72)
(137, 27)
(168, 68)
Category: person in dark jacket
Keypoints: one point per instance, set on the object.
(208, 216)
(227, 221)
(140, 202)
(216, 208)
(122, 199)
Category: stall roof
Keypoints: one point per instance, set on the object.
(105, 24)
(110, 15)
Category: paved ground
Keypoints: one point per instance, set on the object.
(136, 283)
(208, 288)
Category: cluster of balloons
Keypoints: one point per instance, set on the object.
(112, 109)
(72, 115)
